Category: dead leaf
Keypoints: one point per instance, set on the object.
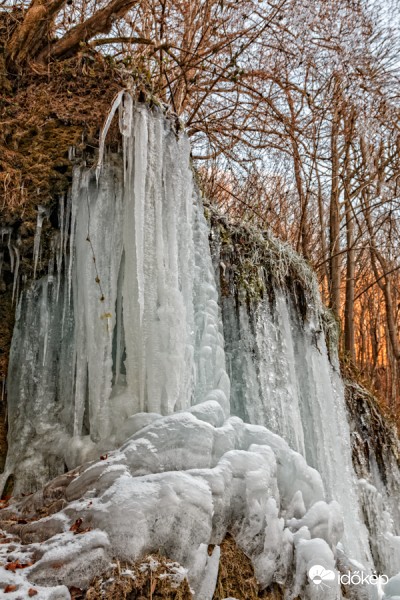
(12, 566)
(10, 588)
(32, 592)
(76, 593)
(76, 526)
(153, 586)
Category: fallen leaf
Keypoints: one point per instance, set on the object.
(32, 592)
(76, 593)
(12, 566)
(83, 530)
(10, 588)
(76, 526)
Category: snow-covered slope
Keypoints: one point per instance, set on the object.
(118, 358)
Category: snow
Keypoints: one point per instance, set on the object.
(392, 588)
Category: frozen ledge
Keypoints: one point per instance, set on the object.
(177, 485)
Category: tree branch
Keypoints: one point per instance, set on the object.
(100, 22)
(32, 34)
(128, 40)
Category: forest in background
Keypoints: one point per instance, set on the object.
(292, 108)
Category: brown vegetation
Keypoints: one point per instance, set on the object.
(236, 576)
(154, 577)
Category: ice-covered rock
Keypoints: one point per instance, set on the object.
(176, 486)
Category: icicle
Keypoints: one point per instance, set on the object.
(44, 319)
(67, 259)
(53, 253)
(17, 261)
(119, 326)
(42, 213)
(10, 251)
(17, 292)
(141, 142)
(74, 207)
(1, 262)
(60, 241)
(125, 125)
(104, 131)
(66, 228)
(3, 390)
(71, 153)
(61, 217)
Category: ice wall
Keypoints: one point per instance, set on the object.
(134, 325)
(283, 376)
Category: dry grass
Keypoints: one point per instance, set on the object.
(41, 117)
(235, 579)
(236, 576)
(153, 579)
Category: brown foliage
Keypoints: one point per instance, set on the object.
(40, 119)
(236, 576)
(153, 579)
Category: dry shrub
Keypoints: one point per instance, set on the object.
(236, 576)
(41, 116)
(235, 579)
(153, 579)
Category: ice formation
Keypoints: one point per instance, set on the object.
(282, 376)
(178, 485)
(121, 355)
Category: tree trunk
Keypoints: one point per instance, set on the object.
(350, 272)
(31, 40)
(383, 280)
(334, 214)
(350, 254)
(33, 33)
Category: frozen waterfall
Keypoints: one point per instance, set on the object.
(282, 376)
(209, 415)
(136, 327)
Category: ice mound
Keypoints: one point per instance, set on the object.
(177, 486)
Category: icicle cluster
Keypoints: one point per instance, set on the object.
(281, 375)
(134, 326)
